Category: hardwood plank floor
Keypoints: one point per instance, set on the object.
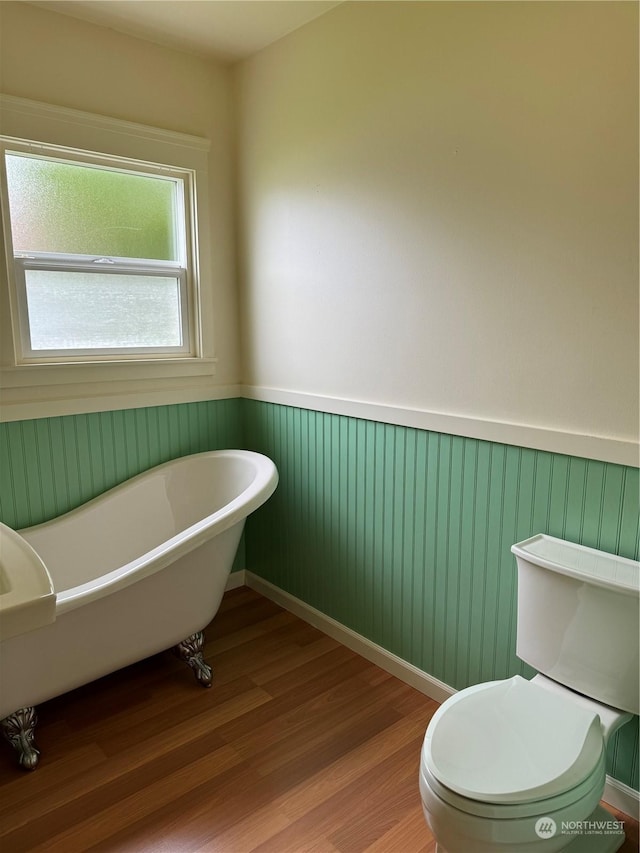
(301, 746)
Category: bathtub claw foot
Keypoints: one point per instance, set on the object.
(190, 651)
(18, 729)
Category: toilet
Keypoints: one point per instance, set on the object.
(518, 766)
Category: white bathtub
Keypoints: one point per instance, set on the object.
(135, 571)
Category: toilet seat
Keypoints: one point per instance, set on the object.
(592, 785)
(511, 743)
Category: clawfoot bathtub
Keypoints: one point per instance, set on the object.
(137, 570)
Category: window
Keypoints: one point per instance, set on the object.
(103, 256)
(108, 286)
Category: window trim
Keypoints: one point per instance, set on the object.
(31, 390)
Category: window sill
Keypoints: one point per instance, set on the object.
(50, 390)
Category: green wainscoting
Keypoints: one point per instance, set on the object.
(400, 534)
(404, 535)
(51, 465)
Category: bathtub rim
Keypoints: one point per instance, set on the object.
(247, 501)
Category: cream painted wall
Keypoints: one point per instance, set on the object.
(440, 211)
(48, 57)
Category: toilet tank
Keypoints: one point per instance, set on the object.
(578, 618)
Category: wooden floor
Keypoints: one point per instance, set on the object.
(301, 746)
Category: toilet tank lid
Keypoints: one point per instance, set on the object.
(511, 741)
(587, 564)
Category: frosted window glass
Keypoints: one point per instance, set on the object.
(77, 209)
(78, 310)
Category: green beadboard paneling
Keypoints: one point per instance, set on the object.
(404, 535)
(400, 534)
(52, 465)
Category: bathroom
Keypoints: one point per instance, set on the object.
(424, 304)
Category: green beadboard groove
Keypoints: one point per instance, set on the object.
(404, 535)
(52, 465)
(400, 534)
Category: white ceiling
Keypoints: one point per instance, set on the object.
(224, 29)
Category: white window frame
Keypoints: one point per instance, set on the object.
(183, 269)
(57, 383)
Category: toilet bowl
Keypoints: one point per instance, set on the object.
(518, 766)
(503, 759)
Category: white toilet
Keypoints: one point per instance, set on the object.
(517, 766)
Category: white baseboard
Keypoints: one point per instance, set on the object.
(393, 664)
(622, 797)
(235, 580)
(616, 794)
